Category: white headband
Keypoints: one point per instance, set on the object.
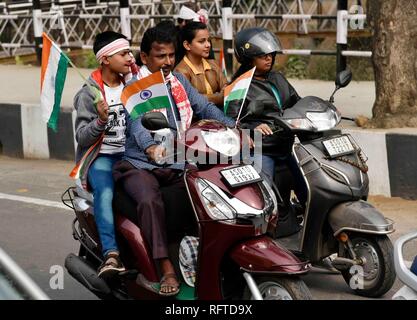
(112, 48)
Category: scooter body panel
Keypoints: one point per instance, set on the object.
(324, 192)
(263, 255)
(359, 216)
(216, 238)
(138, 247)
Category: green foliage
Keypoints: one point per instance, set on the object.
(18, 61)
(296, 67)
(89, 61)
(322, 68)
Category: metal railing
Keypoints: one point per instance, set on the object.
(74, 23)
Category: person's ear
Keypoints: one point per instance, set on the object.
(143, 57)
(186, 45)
(105, 61)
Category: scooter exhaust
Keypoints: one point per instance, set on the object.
(79, 269)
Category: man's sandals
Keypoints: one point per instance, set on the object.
(169, 285)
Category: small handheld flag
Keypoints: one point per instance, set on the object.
(53, 74)
(238, 89)
(146, 94)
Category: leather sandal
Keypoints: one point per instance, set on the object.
(165, 284)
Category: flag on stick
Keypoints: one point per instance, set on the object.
(53, 74)
(238, 89)
(146, 94)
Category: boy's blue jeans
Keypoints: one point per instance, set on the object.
(101, 181)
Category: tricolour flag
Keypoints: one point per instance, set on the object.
(238, 89)
(80, 169)
(146, 94)
(223, 63)
(53, 74)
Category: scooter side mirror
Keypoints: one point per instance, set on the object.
(343, 78)
(154, 121)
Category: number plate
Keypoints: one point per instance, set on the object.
(240, 176)
(339, 146)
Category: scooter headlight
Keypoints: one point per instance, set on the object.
(302, 124)
(216, 207)
(316, 121)
(324, 120)
(226, 142)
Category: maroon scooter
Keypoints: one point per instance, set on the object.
(228, 207)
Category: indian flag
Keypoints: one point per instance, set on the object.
(146, 94)
(53, 74)
(238, 89)
(81, 168)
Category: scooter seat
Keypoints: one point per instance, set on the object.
(179, 213)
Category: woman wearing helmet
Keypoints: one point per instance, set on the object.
(269, 90)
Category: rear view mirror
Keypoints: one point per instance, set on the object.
(155, 121)
(343, 78)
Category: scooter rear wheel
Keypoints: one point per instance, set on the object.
(280, 288)
(378, 272)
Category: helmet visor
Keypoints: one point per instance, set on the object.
(266, 42)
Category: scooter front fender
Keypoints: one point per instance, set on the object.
(263, 255)
(359, 216)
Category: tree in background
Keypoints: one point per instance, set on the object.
(394, 57)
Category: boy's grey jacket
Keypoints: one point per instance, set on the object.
(87, 127)
(138, 139)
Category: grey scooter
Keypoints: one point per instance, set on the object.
(337, 220)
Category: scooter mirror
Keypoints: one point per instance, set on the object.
(343, 78)
(155, 121)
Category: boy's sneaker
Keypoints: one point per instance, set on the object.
(111, 265)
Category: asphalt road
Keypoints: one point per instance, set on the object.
(38, 237)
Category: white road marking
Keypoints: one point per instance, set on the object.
(40, 202)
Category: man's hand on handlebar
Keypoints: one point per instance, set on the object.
(156, 152)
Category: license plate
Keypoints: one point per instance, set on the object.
(339, 146)
(240, 176)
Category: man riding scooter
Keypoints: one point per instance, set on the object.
(140, 166)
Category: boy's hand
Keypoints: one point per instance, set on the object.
(103, 110)
(156, 152)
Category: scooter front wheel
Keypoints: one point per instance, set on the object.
(377, 274)
(279, 288)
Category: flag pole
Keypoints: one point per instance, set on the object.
(172, 107)
(241, 107)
